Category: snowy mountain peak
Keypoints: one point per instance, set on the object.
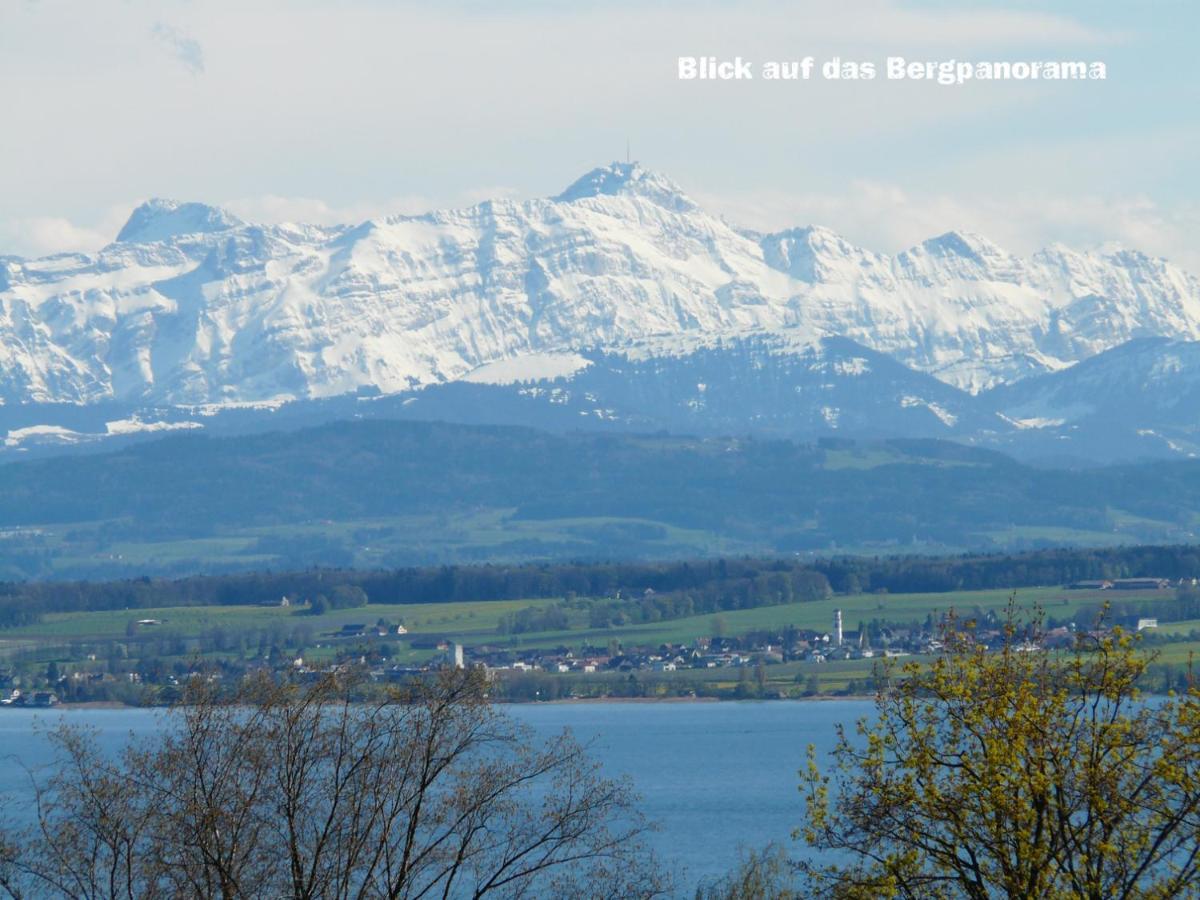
(965, 244)
(628, 179)
(961, 256)
(817, 254)
(161, 220)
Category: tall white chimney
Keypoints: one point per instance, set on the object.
(837, 627)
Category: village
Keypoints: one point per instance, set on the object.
(368, 647)
(153, 663)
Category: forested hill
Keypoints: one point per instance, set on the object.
(713, 584)
(374, 493)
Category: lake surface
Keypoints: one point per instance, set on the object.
(715, 776)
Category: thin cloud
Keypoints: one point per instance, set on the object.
(185, 49)
(36, 236)
(887, 218)
(274, 209)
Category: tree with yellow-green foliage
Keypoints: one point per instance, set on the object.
(1012, 772)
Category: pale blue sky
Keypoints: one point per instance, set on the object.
(338, 111)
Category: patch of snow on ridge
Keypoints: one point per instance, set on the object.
(532, 367)
(47, 433)
(136, 425)
(850, 367)
(57, 434)
(1035, 422)
(213, 409)
(908, 401)
(1151, 433)
(948, 418)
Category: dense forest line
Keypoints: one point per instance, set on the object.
(660, 589)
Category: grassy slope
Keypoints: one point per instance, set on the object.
(474, 618)
(476, 622)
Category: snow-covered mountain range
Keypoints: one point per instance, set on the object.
(191, 306)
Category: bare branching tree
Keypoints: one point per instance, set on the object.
(286, 791)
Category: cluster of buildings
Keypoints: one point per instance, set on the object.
(41, 699)
(380, 629)
(792, 644)
(1130, 584)
(763, 647)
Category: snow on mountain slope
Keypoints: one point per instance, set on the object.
(776, 384)
(1143, 381)
(530, 368)
(1141, 399)
(193, 306)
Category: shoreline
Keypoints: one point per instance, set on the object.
(821, 698)
(560, 701)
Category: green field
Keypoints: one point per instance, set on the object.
(1181, 653)
(473, 618)
(817, 615)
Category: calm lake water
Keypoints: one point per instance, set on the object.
(713, 775)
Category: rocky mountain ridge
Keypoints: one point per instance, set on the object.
(192, 305)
